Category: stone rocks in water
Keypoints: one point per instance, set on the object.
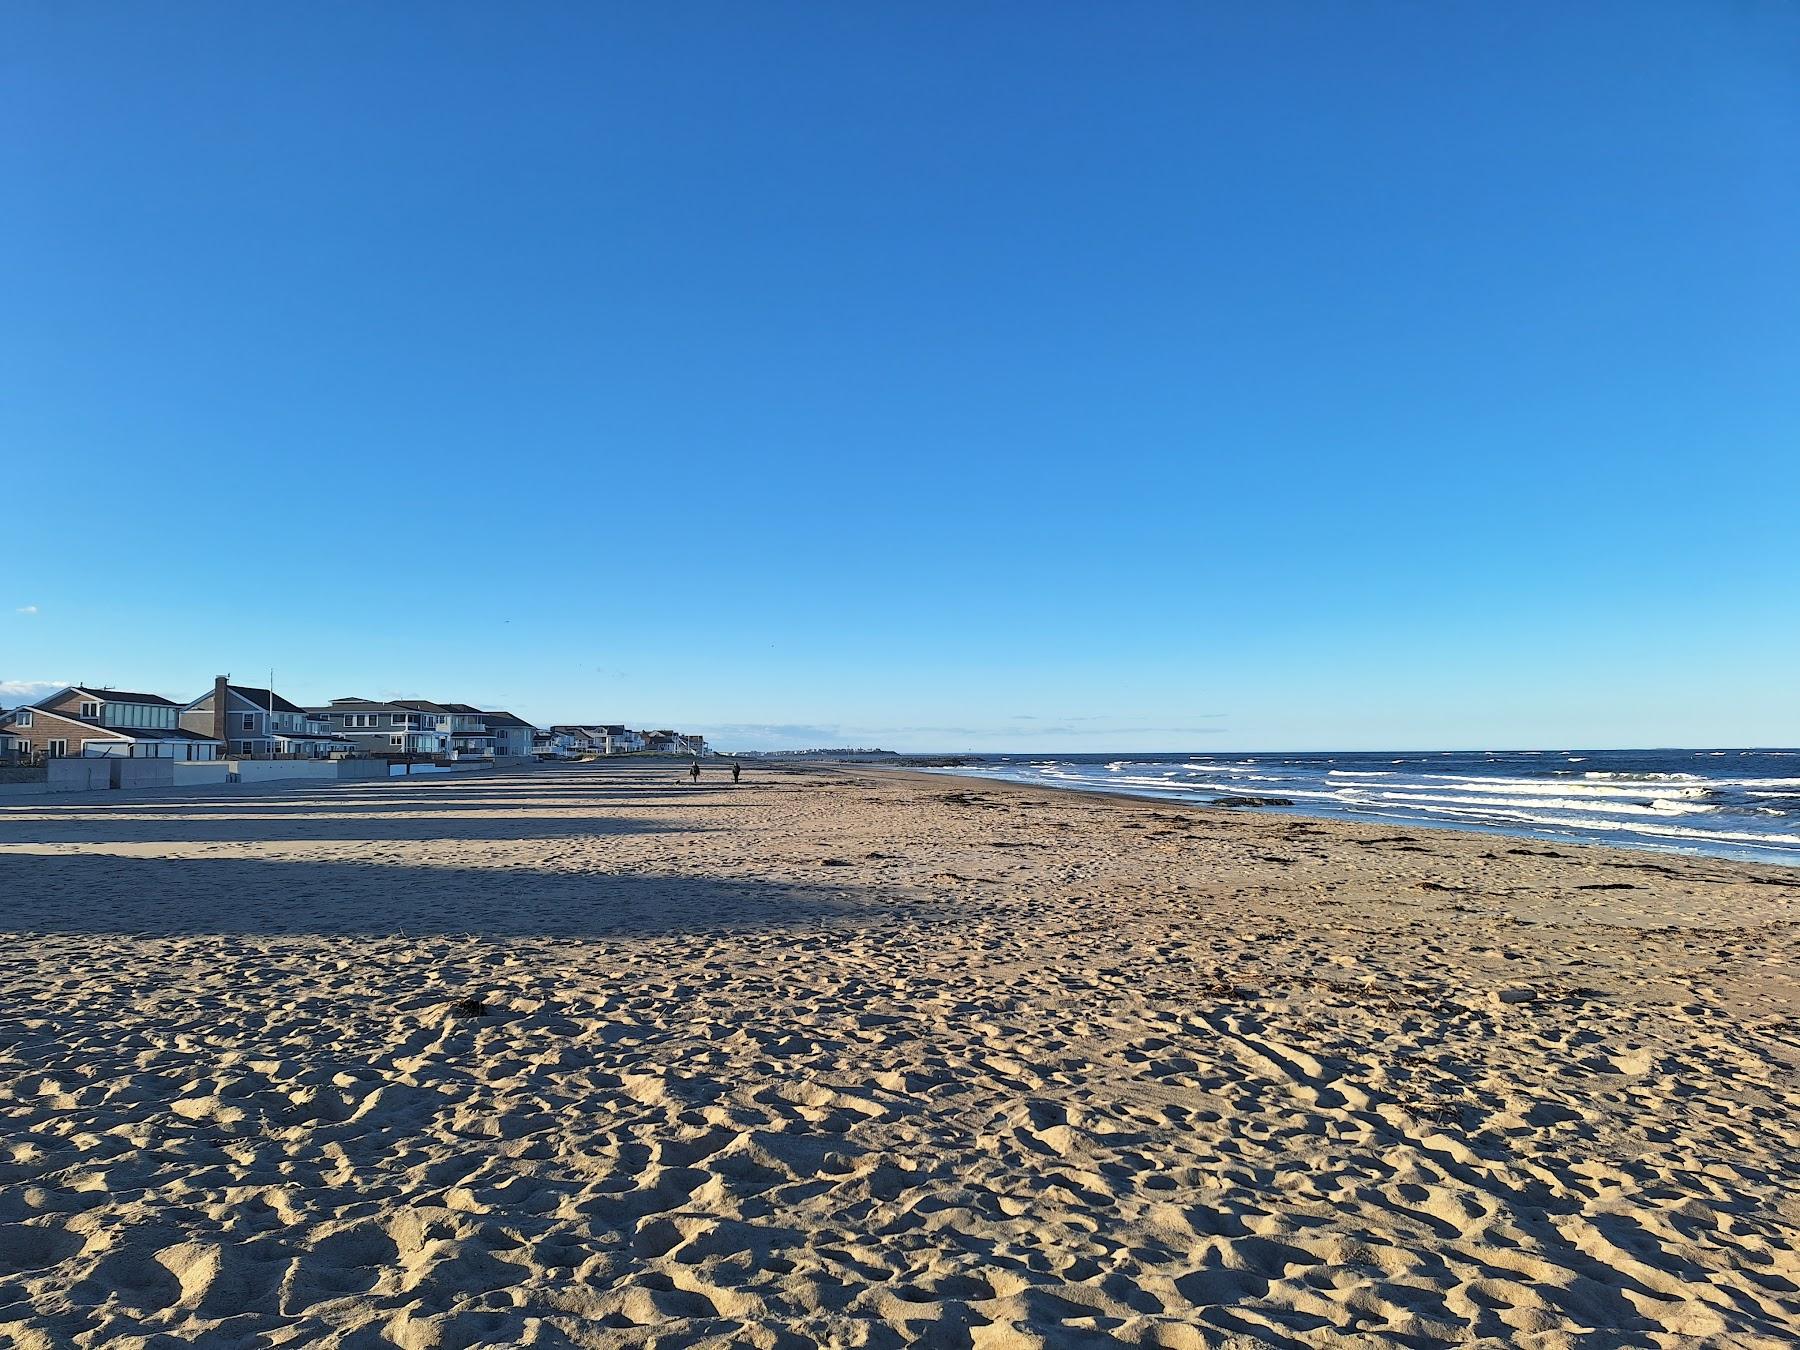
(1250, 801)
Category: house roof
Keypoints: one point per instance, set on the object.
(119, 696)
(421, 705)
(504, 719)
(265, 699)
(461, 708)
(156, 734)
(359, 705)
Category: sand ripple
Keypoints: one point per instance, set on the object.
(1144, 1086)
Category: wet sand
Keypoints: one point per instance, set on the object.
(861, 1057)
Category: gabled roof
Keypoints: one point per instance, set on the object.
(504, 719)
(461, 708)
(421, 705)
(94, 732)
(338, 705)
(115, 696)
(264, 699)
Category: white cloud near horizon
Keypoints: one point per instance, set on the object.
(27, 609)
(23, 691)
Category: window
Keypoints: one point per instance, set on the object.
(395, 740)
(249, 722)
(24, 717)
(57, 748)
(90, 708)
(243, 747)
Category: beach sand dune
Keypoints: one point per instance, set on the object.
(853, 1057)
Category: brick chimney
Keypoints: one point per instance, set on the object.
(221, 684)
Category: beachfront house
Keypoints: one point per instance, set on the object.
(552, 744)
(581, 740)
(512, 735)
(12, 747)
(115, 722)
(260, 724)
(619, 740)
(428, 718)
(388, 727)
(469, 735)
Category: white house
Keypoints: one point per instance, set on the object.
(553, 744)
(620, 740)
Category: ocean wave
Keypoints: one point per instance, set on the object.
(1781, 843)
(1622, 777)
(1693, 787)
(1657, 806)
(1660, 806)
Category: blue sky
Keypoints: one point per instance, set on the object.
(1154, 376)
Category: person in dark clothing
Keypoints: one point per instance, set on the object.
(694, 771)
(736, 771)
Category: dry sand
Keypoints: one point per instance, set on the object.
(858, 1057)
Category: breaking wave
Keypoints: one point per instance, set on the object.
(1737, 803)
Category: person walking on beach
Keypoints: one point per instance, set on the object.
(694, 771)
(736, 770)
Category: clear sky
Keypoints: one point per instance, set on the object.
(1035, 375)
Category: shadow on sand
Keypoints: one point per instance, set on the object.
(92, 893)
(231, 826)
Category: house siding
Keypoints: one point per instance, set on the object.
(70, 705)
(47, 726)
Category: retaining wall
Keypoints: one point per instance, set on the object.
(78, 774)
(141, 773)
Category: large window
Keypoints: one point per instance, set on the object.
(57, 748)
(24, 717)
(90, 709)
(140, 715)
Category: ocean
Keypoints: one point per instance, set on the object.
(1726, 803)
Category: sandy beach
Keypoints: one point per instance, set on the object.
(853, 1056)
